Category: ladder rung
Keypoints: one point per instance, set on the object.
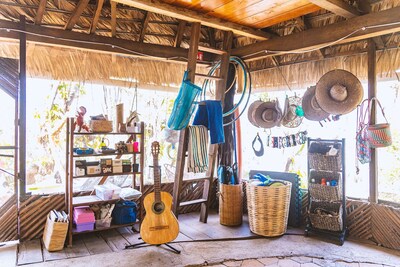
(211, 50)
(208, 76)
(197, 179)
(192, 202)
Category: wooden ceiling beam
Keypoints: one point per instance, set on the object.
(40, 12)
(113, 18)
(160, 7)
(73, 19)
(96, 16)
(338, 7)
(319, 37)
(145, 22)
(179, 33)
(58, 37)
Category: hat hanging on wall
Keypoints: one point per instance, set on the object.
(312, 110)
(268, 114)
(252, 110)
(291, 119)
(339, 92)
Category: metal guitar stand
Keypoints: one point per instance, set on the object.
(140, 245)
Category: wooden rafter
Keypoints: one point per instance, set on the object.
(160, 7)
(316, 37)
(179, 33)
(304, 24)
(365, 7)
(113, 18)
(338, 7)
(96, 16)
(91, 42)
(145, 22)
(40, 12)
(80, 7)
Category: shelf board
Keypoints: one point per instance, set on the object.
(104, 155)
(89, 200)
(107, 133)
(106, 228)
(104, 175)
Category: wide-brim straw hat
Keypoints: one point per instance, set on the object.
(339, 92)
(290, 119)
(252, 110)
(311, 108)
(268, 114)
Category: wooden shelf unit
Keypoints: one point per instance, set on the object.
(71, 201)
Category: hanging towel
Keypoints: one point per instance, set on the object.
(210, 115)
(197, 149)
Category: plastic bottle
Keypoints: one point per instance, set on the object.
(323, 181)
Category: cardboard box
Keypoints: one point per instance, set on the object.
(80, 171)
(106, 161)
(91, 170)
(117, 162)
(105, 169)
(117, 169)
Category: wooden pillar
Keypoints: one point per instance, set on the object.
(22, 109)
(373, 172)
(183, 135)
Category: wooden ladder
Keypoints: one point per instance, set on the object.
(184, 134)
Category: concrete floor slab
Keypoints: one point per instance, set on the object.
(217, 252)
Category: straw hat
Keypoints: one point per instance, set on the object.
(252, 110)
(290, 118)
(312, 110)
(339, 92)
(268, 114)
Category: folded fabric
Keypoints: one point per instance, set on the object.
(197, 149)
(210, 115)
(265, 180)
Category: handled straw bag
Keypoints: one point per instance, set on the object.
(378, 135)
(363, 150)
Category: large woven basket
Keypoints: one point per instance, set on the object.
(326, 222)
(54, 235)
(318, 159)
(230, 204)
(325, 192)
(268, 208)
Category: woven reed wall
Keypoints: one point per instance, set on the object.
(34, 209)
(375, 222)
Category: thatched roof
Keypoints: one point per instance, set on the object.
(63, 63)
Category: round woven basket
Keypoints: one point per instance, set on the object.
(268, 208)
(230, 204)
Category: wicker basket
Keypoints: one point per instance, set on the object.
(318, 159)
(326, 222)
(325, 192)
(101, 126)
(268, 208)
(54, 235)
(230, 204)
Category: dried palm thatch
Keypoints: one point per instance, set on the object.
(59, 63)
(308, 73)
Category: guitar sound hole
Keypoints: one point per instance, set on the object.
(158, 207)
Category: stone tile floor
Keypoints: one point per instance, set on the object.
(293, 262)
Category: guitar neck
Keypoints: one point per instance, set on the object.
(157, 180)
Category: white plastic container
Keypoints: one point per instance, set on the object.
(116, 190)
(104, 192)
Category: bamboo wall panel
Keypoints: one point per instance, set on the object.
(34, 209)
(359, 219)
(9, 76)
(385, 225)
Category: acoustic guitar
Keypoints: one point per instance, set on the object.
(160, 225)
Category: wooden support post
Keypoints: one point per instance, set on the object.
(213, 150)
(22, 108)
(183, 137)
(193, 49)
(373, 176)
